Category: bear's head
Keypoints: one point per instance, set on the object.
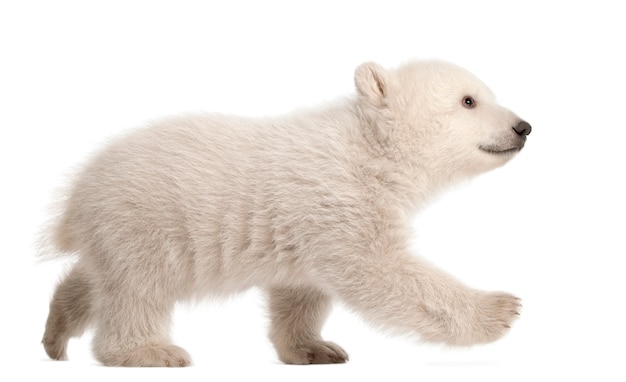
(436, 117)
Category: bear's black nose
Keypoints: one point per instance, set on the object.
(523, 128)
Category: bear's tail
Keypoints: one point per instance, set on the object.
(62, 235)
(57, 238)
(56, 241)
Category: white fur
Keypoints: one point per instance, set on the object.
(312, 206)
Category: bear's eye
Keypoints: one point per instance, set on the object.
(469, 102)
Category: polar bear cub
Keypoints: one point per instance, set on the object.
(310, 207)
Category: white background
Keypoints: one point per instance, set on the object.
(547, 227)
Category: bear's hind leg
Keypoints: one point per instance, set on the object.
(70, 312)
(297, 315)
(133, 327)
(137, 288)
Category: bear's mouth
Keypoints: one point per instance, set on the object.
(500, 151)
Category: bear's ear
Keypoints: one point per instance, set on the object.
(372, 81)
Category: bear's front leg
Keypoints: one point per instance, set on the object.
(297, 315)
(399, 292)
